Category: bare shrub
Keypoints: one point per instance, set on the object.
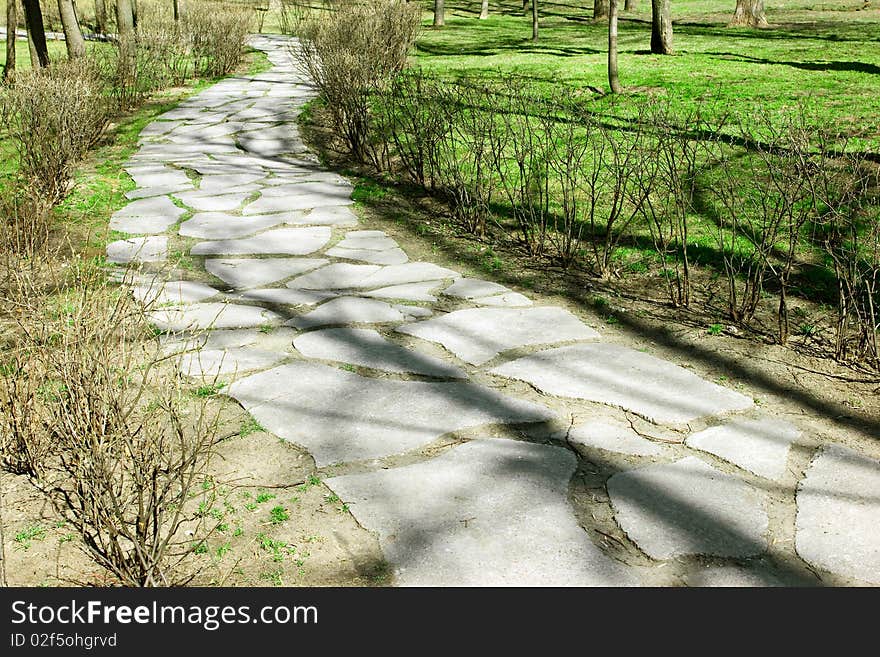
(217, 35)
(24, 220)
(54, 116)
(352, 53)
(107, 433)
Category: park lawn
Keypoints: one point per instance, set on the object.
(827, 60)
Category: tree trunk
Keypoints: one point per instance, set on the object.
(73, 38)
(613, 80)
(630, 5)
(484, 11)
(661, 28)
(100, 17)
(525, 6)
(176, 10)
(438, 14)
(749, 13)
(33, 18)
(600, 9)
(11, 25)
(534, 20)
(124, 19)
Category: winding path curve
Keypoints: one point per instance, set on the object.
(461, 421)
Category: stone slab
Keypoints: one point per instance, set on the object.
(367, 348)
(407, 292)
(470, 288)
(340, 215)
(281, 241)
(138, 249)
(759, 446)
(478, 335)
(611, 374)
(286, 297)
(243, 273)
(509, 300)
(199, 316)
(340, 416)
(173, 292)
(203, 202)
(343, 275)
(388, 257)
(486, 513)
(218, 225)
(351, 310)
(689, 507)
(838, 514)
(214, 362)
(611, 436)
(146, 216)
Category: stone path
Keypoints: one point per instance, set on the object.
(484, 436)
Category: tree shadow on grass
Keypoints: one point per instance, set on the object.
(842, 66)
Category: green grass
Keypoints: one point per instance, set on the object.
(828, 59)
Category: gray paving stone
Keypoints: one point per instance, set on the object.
(351, 310)
(618, 376)
(281, 241)
(340, 416)
(394, 256)
(470, 288)
(329, 216)
(221, 183)
(509, 300)
(157, 175)
(759, 446)
(138, 249)
(342, 276)
(214, 362)
(286, 296)
(243, 273)
(413, 311)
(612, 436)
(219, 225)
(407, 291)
(156, 191)
(478, 335)
(173, 292)
(486, 513)
(689, 507)
(838, 514)
(146, 216)
(300, 197)
(199, 316)
(368, 348)
(208, 202)
(368, 240)
(732, 577)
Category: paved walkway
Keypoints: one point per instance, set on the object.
(485, 437)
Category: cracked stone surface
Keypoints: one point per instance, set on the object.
(213, 362)
(478, 335)
(146, 216)
(470, 288)
(243, 273)
(212, 201)
(352, 310)
(611, 436)
(286, 297)
(487, 513)
(138, 249)
(302, 196)
(369, 418)
(618, 376)
(289, 241)
(330, 216)
(407, 292)
(689, 507)
(212, 316)
(838, 514)
(367, 348)
(509, 300)
(173, 292)
(394, 256)
(759, 446)
(218, 225)
(342, 276)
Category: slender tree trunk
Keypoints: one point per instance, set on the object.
(600, 9)
(630, 5)
(534, 20)
(176, 10)
(525, 6)
(33, 18)
(661, 27)
(749, 13)
(484, 11)
(438, 14)
(124, 19)
(11, 25)
(100, 17)
(613, 80)
(73, 38)
(134, 13)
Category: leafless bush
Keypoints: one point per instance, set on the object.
(24, 220)
(53, 116)
(102, 428)
(352, 53)
(217, 34)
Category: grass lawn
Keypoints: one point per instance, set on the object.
(825, 55)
